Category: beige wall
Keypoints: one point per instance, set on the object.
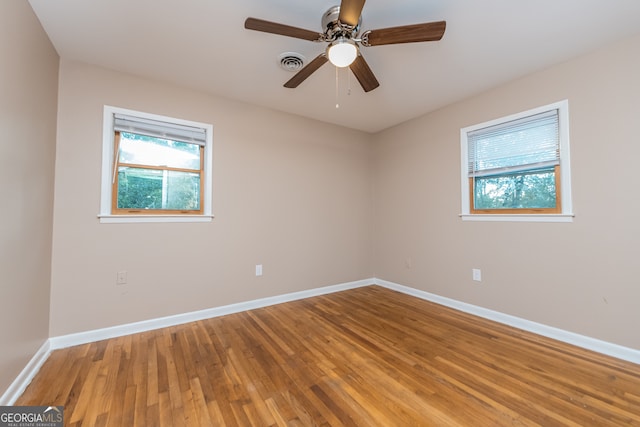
(581, 277)
(289, 193)
(28, 91)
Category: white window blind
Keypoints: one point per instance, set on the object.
(524, 144)
(159, 129)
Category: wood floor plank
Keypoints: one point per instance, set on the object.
(216, 415)
(153, 388)
(139, 378)
(201, 415)
(363, 357)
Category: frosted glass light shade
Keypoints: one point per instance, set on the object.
(342, 52)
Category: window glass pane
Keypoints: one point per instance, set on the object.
(527, 190)
(158, 189)
(149, 151)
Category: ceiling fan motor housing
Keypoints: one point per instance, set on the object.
(334, 29)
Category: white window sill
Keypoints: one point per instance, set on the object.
(114, 219)
(519, 217)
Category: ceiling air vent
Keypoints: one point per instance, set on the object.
(291, 61)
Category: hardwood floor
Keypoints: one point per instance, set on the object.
(366, 357)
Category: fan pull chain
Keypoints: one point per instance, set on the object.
(337, 91)
(348, 83)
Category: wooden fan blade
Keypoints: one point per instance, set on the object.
(350, 11)
(281, 29)
(363, 73)
(309, 69)
(430, 31)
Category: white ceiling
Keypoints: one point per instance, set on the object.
(202, 44)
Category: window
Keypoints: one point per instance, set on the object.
(154, 168)
(517, 167)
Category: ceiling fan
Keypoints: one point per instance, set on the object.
(341, 26)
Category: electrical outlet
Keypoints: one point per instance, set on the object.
(258, 269)
(121, 278)
(477, 274)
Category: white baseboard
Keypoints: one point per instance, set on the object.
(21, 382)
(163, 322)
(599, 346)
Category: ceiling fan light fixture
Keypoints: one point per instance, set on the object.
(342, 52)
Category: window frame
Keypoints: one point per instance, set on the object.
(109, 213)
(563, 210)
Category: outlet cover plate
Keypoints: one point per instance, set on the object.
(121, 278)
